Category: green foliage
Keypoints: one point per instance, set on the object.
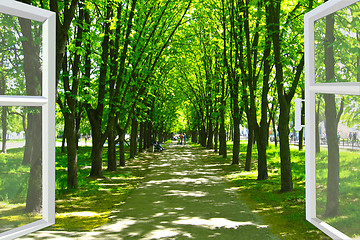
(346, 45)
(12, 56)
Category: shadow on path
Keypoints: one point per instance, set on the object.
(181, 198)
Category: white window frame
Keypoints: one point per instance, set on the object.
(47, 103)
(311, 89)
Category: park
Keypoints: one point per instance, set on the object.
(176, 119)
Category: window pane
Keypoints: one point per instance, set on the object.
(341, 38)
(21, 166)
(20, 56)
(338, 162)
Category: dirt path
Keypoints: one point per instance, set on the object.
(181, 198)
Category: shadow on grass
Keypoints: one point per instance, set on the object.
(182, 197)
(348, 219)
(13, 189)
(91, 204)
(13, 216)
(284, 212)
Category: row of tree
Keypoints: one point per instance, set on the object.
(110, 56)
(245, 61)
(130, 66)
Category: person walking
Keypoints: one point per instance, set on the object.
(181, 138)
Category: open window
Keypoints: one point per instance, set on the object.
(332, 83)
(27, 109)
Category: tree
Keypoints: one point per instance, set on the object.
(69, 103)
(262, 129)
(332, 120)
(231, 64)
(96, 112)
(33, 149)
(284, 95)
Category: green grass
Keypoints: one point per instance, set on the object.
(349, 198)
(13, 189)
(91, 204)
(284, 212)
(85, 208)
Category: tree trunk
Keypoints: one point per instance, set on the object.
(222, 135)
(262, 158)
(333, 178)
(262, 130)
(222, 130)
(284, 97)
(194, 136)
(210, 134)
(122, 150)
(33, 148)
(233, 81)
(216, 136)
(151, 137)
(78, 123)
(202, 135)
(63, 141)
(161, 135)
(286, 174)
(98, 141)
(275, 130)
(28, 149)
(236, 137)
(71, 137)
(141, 138)
(147, 135)
(34, 193)
(112, 165)
(4, 127)
(249, 147)
(133, 137)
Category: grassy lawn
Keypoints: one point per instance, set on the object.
(83, 209)
(91, 204)
(284, 212)
(13, 189)
(348, 220)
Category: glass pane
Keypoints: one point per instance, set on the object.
(20, 56)
(338, 162)
(21, 166)
(337, 46)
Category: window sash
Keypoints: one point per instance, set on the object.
(47, 102)
(311, 89)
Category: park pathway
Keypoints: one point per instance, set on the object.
(183, 197)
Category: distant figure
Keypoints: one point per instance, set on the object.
(184, 138)
(354, 138)
(157, 146)
(181, 138)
